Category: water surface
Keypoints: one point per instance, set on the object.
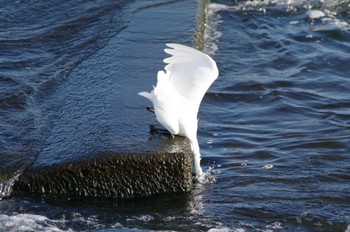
(274, 128)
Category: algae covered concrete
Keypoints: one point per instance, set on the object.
(110, 176)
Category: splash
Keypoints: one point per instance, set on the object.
(212, 34)
(28, 222)
(315, 14)
(207, 177)
(6, 185)
(322, 20)
(268, 166)
(225, 229)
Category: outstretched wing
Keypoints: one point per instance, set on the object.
(191, 72)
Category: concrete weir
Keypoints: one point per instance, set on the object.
(110, 176)
(99, 143)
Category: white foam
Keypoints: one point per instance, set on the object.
(143, 218)
(268, 166)
(6, 186)
(340, 24)
(294, 22)
(245, 163)
(316, 14)
(329, 21)
(263, 6)
(275, 226)
(225, 229)
(27, 222)
(212, 34)
(207, 177)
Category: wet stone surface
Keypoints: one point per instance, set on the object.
(110, 176)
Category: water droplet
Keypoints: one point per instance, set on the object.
(293, 22)
(309, 36)
(268, 166)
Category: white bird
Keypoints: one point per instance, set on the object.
(179, 91)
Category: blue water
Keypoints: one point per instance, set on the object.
(274, 129)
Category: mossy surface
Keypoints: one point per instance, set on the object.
(111, 176)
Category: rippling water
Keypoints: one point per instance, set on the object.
(274, 128)
(41, 43)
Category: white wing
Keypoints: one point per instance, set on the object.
(191, 72)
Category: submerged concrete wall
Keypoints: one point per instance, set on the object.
(110, 176)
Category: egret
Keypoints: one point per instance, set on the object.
(180, 88)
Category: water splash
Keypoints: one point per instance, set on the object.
(327, 20)
(315, 14)
(6, 185)
(268, 166)
(212, 34)
(207, 177)
(28, 222)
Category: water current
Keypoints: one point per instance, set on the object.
(274, 129)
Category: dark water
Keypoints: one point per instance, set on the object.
(274, 128)
(40, 44)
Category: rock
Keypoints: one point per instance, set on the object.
(110, 176)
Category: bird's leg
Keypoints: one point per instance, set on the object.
(196, 158)
(197, 165)
(154, 129)
(150, 109)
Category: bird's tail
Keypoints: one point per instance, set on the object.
(147, 95)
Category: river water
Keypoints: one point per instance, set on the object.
(274, 129)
